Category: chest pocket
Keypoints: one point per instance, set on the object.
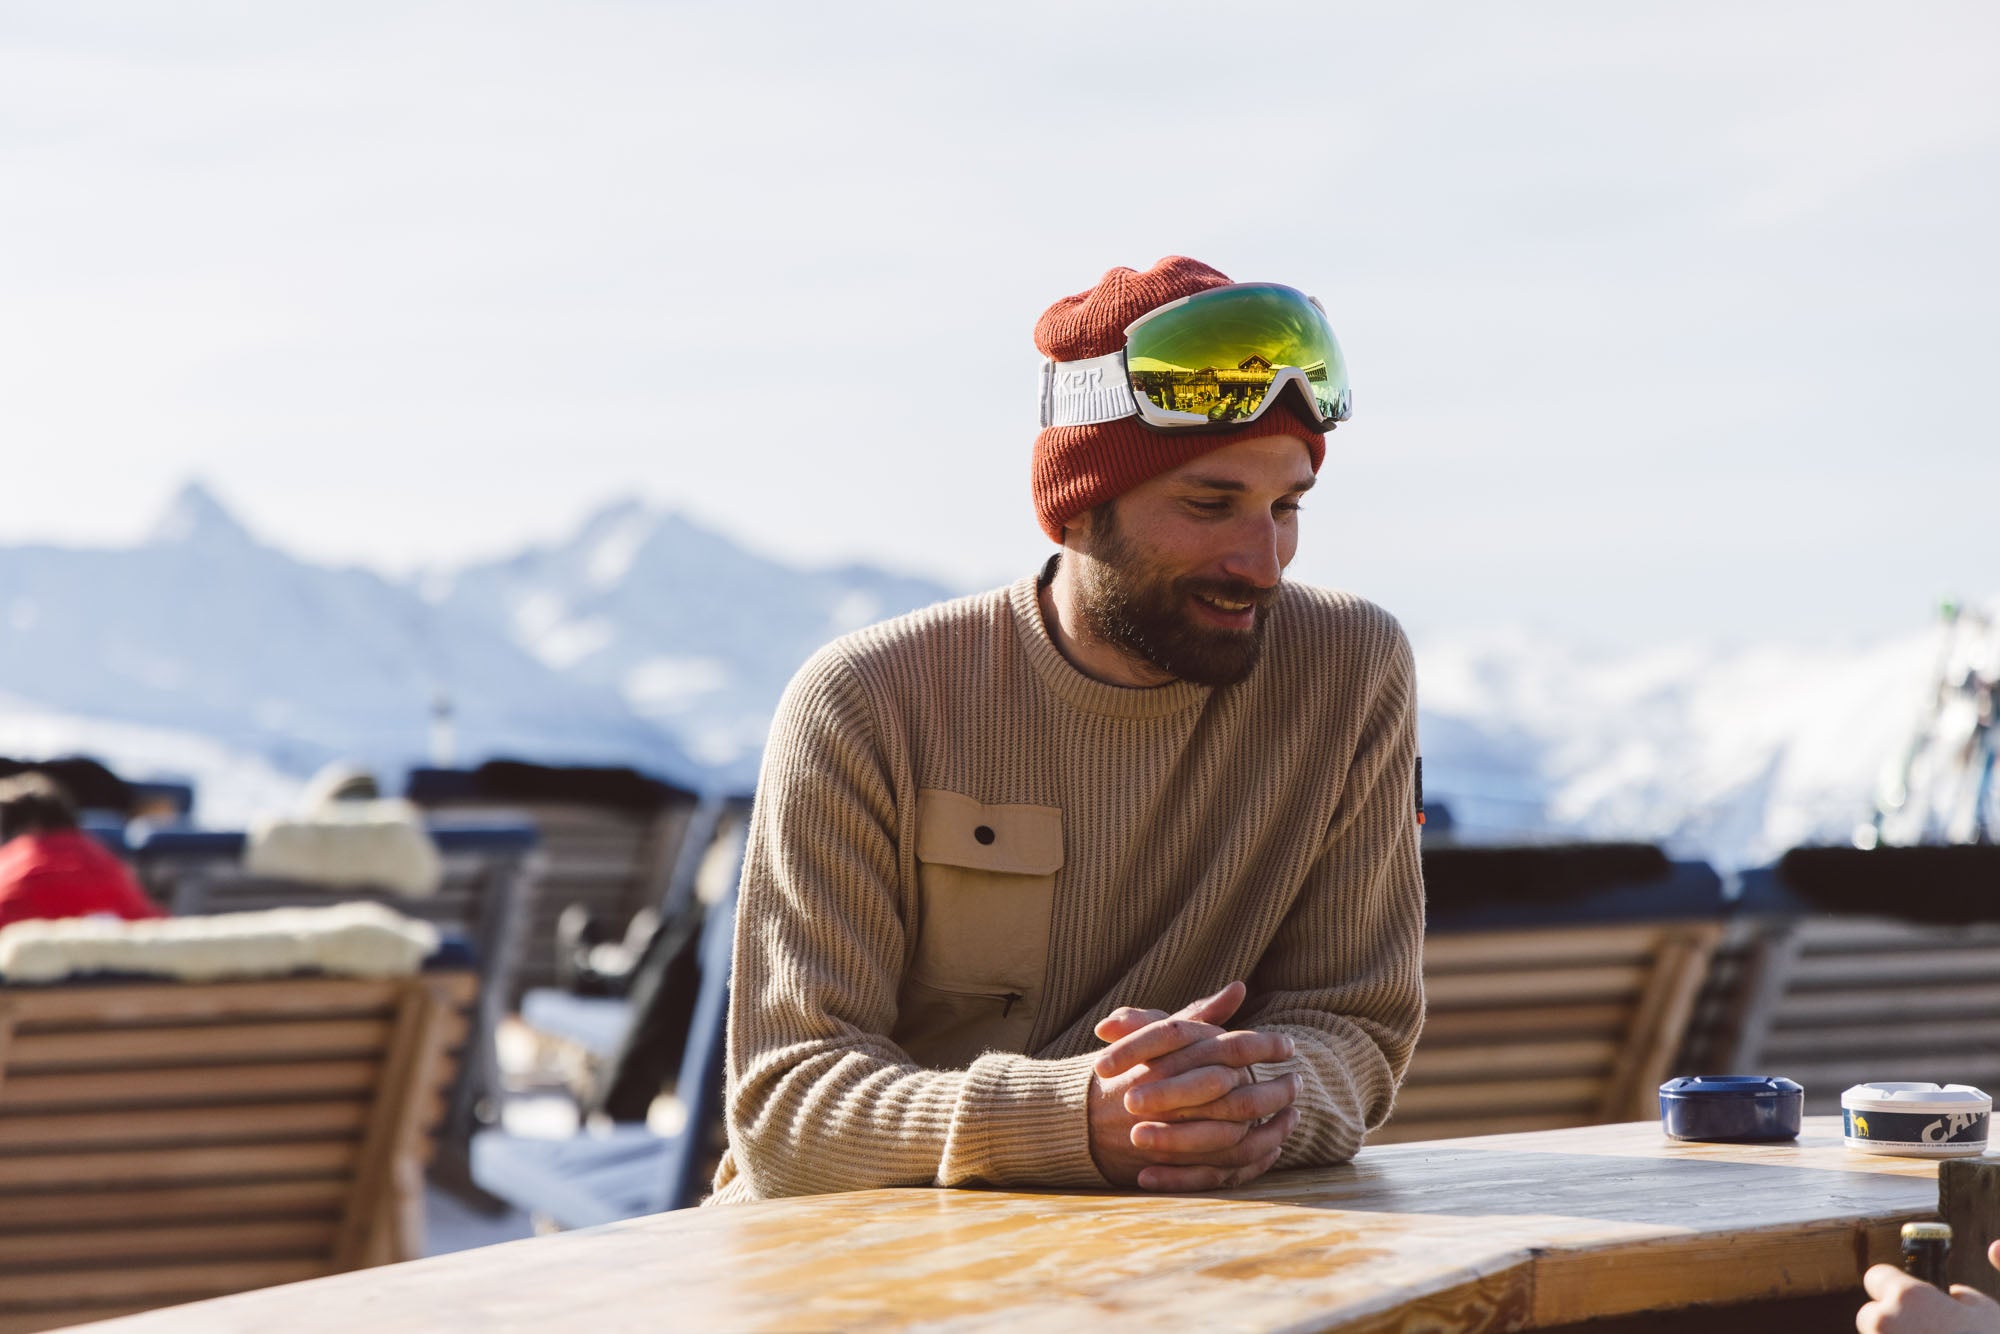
(986, 885)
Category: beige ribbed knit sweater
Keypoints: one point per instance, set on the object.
(965, 852)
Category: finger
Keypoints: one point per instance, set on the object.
(1188, 1141)
(1244, 1176)
(1151, 1042)
(1263, 1140)
(1129, 1019)
(1182, 1180)
(1885, 1281)
(1972, 1297)
(1242, 1048)
(1154, 1100)
(1868, 1320)
(1126, 1019)
(1993, 1255)
(1250, 1102)
(1218, 1008)
(1228, 1144)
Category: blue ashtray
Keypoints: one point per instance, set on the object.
(1731, 1109)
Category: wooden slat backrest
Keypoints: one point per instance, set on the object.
(1547, 1027)
(163, 1142)
(612, 861)
(1736, 975)
(483, 900)
(1856, 999)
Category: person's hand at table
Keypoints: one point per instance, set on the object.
(1175, 1102)
(1904, 1305)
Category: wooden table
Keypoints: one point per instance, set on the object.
(1499, 1233)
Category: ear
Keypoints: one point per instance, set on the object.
(1081, 528)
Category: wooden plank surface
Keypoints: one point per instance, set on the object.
(1496, 1233)
(229, 1162)
(154, 1126)
(1497, 1026)
(203, 1044)
(100, 1246)
(1505, 950)
(313, 1197)
(192, 1085)
(70, 1315)
(1540, 986)
(153, 1003)
(162, 1282)
(1497, 1061)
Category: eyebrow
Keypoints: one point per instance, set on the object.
(1231, 484)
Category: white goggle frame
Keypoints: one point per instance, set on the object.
(1099, 389)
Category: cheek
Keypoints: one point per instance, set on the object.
(1288, 543)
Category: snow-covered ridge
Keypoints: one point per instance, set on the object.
(643, 640)
(648, 639)
(1734, 754)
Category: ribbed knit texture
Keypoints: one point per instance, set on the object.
(1078, 467)
(1263, 831)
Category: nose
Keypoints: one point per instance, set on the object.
(1256, 556)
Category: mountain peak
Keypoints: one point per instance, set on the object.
(196, 517)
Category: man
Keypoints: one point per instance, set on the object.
(1150, 793)
(50, 868)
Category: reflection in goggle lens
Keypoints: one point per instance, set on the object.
(1217, 355)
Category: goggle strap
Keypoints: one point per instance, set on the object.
(1087, 392)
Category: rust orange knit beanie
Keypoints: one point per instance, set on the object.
(1079, 467)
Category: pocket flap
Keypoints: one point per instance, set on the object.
(955, 830)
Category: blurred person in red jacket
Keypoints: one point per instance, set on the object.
(50, 868)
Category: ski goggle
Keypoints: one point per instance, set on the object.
(1215, 359)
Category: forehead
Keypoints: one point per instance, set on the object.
(1276, 463)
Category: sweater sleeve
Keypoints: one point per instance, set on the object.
(1344, 976)
(819, 1098)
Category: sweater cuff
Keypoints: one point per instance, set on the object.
(1337, 1085)
(1023, 1122)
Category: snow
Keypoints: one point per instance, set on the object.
(647, 639)
(688, 629)
(231, 786)
(207, 632)
(1735, 754)
(667, 686)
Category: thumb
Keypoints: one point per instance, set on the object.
(1216, 1009)
(1993, 1255)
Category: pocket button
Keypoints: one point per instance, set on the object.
(984, 834)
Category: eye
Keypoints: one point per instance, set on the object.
(1286, 507)
(1209, 506)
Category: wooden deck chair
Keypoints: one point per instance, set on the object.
(614, 862)
(594, 1035)
(488, 880)
(627, 1170)
(1546, 1027)
(1841, 990)
(165, 1142)
(1559, 981)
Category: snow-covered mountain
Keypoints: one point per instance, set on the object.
(694, 633)
(1730, 754)
(647, 639)
(206, 631)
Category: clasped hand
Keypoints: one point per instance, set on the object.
(1175, 1104)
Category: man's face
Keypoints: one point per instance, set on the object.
(1182, 570)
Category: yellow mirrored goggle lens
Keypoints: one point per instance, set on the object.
(1217, 354)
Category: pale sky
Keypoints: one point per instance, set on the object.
(1664, 320)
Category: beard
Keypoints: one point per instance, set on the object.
(1134, 604)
